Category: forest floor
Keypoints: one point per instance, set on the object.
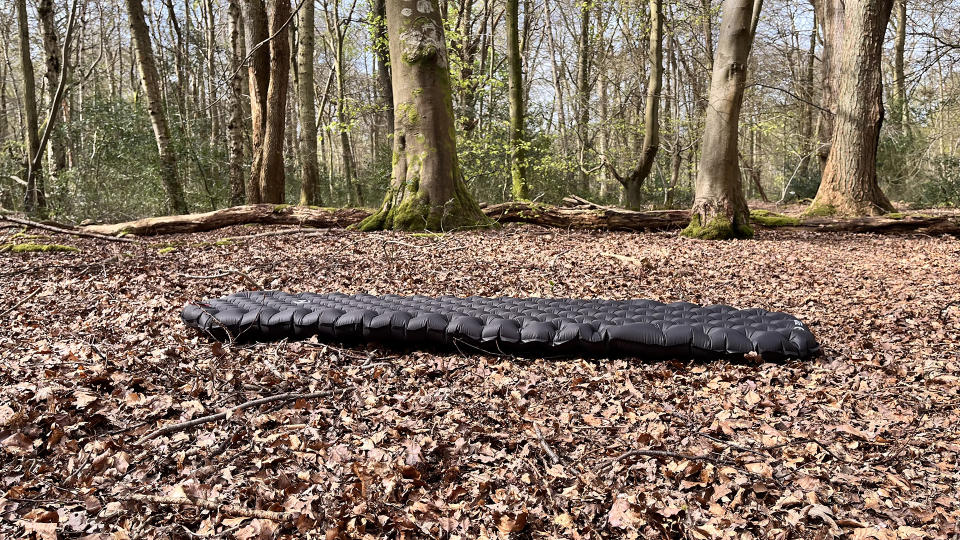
(861, 442)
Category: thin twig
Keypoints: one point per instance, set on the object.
(286, 396)
(226, 509)
(546, 447)
(306, 233)
(658, 454)
(21, 302)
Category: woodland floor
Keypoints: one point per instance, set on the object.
(861, 442)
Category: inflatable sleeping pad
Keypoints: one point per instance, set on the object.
(545, 326)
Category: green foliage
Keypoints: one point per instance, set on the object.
(116, 170)
(912, 171)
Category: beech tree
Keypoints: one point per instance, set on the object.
(140, 36)
(427, 190)
(310, 169)
(267, 39)
(720, 208)
(849, 184)
(268, 46)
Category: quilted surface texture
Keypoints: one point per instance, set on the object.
(640, 328)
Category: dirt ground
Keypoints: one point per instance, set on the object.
(861, 442)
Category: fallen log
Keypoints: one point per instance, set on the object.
(905, 224)
(613, 219)
(595, 218)
(63, 230)
(265, 214)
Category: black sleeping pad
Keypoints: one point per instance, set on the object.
(548, 326)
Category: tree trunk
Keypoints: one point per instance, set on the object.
(830, 16)
(633, 183)
(235, 124)
(51, 49)
(902, 106)
(720, 208)
(34, 200)
(583, 91)
(427, 190)
(338, 43)
(310, 169)
(806, 126)
(255, 33)
(213, 109)
(518, 166)
(382, 51)
(849, 185)
(707, 25)
(140, 36)
(272, 176)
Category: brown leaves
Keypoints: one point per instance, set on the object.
(437, 443)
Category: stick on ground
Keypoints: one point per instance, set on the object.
(287, 396)
(21, 302)
(226, 509)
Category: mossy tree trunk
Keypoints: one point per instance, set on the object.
(518, 166)
(426, 191)
(720, 208)
(849, 185)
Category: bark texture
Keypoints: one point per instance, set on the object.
(310, 168)
(140, 36)
(720, 208)
(849, 185)
(427, 190)
(236, 123)
(518, 166)
(255, 35)
(272, 176)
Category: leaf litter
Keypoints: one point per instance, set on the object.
(861, 442)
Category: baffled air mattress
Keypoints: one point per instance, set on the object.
(547, 326)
